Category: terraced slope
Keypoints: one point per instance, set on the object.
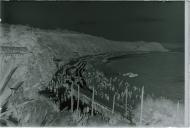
(40, 53)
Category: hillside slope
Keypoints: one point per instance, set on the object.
(44, 45)
(29, 56)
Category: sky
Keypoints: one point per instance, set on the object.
(123, 21)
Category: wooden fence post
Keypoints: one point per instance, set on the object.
(71, 97)
(78, 98)
(177, 111)
(142, 98)
(1, 65)
(113, 106)
(126, 97)
(92, 102)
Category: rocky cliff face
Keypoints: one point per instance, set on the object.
(36, 54)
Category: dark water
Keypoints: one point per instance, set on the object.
(162, 74)
(115, 20)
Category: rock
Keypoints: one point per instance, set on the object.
(130, 74)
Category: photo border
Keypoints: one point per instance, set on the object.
(187, 65)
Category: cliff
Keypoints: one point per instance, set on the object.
(29, 56)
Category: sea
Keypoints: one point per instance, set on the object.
(161, 73)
